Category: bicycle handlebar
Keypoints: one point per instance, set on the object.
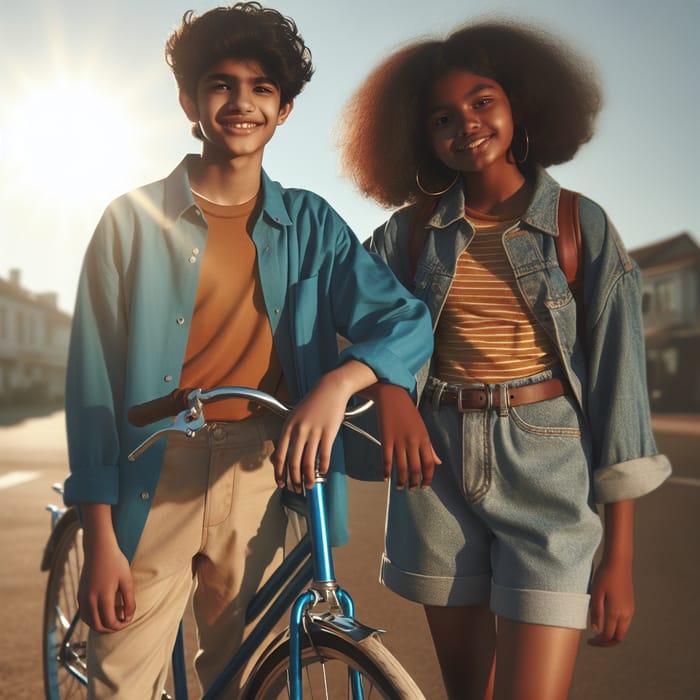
(186, 406)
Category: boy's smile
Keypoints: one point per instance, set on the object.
(237, 108)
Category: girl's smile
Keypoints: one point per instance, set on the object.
(470, 123)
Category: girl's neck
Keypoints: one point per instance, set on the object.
(502, 193)
(227, 183)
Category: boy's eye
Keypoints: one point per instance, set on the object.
(441, 120)
(264, 89)
(482, 102)
(220, 86)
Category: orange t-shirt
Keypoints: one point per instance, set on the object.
(230, 340)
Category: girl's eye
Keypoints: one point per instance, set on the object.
(482, 102)
(442, 120)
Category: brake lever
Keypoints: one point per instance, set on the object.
(187, 423)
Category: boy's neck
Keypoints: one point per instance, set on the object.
(226, 182)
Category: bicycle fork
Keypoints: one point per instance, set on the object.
(324, 589)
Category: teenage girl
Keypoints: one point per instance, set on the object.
(536, 401)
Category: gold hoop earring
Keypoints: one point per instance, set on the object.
(520, 161)
(433, 194)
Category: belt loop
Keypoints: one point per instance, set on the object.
(438, 388)
(505, 402)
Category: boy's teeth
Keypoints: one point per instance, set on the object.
(476, 143)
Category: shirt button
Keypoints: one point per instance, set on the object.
(277, 312)
(266, 249)
(193, 258)
(168, 378)
(145, 495)
(422, 285)
(195, 251)
(180, 321)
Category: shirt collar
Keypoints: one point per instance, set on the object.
(178, 195)
(540, 214)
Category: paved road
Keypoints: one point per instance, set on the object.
(659, 660)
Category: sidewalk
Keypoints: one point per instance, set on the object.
(677, 423)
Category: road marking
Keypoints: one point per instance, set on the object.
(7, 481)
(684, 481)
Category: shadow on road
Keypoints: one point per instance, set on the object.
(16, 413)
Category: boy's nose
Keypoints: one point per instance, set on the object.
(240, 101)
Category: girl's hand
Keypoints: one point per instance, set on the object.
(309, 432)
(404, 437)
(612, 603)
(106, 591)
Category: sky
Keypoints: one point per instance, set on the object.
(88, 110)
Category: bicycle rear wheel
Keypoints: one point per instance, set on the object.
(327, 658)
(64, 634)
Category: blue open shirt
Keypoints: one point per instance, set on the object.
(132, 318)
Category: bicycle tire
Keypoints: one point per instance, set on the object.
(326, 660)
(60, 609)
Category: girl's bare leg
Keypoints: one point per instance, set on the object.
(535, 662)
(465, 643)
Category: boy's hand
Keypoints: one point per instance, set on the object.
(105, 592)
(404, 437)
(612, 603)
(311, 429)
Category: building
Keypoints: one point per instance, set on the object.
(671, 309)
(34, 336)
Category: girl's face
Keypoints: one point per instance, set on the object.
(470, 123)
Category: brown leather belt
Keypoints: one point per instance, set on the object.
(485, 398)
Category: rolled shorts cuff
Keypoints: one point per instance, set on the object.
(435, 590)
(541, 607)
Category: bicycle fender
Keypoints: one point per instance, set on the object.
(347, 627)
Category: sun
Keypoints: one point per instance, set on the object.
(68, 141)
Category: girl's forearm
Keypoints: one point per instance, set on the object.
(619, 531)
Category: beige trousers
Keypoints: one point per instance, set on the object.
(216, 518)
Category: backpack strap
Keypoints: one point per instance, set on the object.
(568, 242)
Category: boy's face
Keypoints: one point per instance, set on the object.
(237, 108)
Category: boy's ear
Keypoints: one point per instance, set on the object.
(189, 106)
(285, 111)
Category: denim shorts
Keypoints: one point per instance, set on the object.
(509, 519)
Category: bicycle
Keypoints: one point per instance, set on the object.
(324, 652)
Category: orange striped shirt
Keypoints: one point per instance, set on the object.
(486, 331)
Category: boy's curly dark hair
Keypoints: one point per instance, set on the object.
(245, 31)
(554, 93)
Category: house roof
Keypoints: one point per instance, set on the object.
(8, 290)
(681, 248)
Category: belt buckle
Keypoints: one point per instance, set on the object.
(475, 387)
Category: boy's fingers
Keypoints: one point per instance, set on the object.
(401, 468)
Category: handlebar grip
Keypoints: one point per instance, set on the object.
(156, 409)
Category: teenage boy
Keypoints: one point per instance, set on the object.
(215, 276)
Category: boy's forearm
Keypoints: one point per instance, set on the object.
(97, 522)
(351, 377)
(619, 531)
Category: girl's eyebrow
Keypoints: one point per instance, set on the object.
(475, 90)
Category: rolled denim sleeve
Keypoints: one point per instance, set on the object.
(626, 461)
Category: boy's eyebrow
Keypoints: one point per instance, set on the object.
(227, 77)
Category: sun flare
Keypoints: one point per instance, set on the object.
(68, 141)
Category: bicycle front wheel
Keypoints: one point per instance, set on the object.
(327, 659)
(64, 634)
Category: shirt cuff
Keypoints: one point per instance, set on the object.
(631, 479)
(98, 485)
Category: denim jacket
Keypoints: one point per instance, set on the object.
(132, 316)
(606, 368)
